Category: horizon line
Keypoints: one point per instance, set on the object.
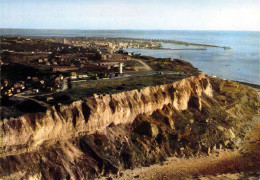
(128, 29)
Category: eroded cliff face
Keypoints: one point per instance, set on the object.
(97, 113)
(107, 133)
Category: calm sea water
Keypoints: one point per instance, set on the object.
(240, 63)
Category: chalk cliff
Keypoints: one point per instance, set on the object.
(104, 134)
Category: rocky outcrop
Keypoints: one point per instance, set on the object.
(103, 134)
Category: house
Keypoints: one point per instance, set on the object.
(17, 90)
(35, 90)
(17, 85)
(103, 57)
(8, 93)
(110, 45)
(73, 75)
(82, 76)
(61, 77)
(42, 82)
(4, 83)
(127, 58)
(22, 84)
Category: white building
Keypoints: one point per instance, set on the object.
(121, 67)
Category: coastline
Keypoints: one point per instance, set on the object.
(197, 57)
(256, 87)
(227, 95)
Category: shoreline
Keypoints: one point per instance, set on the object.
(169, 49)
(120, 38)
(255, 86)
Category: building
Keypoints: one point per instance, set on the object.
(73, 75)
(17, 90)
(82, 76)
(65, 41)
(110, 45)
(8, 93)
(127, 58)
(42, 82)
(121, 67)
(64, 68)
(35, 90)
(4, 83)
(103, 57)
(19, 85)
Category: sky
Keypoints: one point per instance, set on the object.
(131, 14)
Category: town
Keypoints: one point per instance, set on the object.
(92, 59)
(57, 70)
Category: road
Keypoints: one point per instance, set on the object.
(65, 84)
(148, 68)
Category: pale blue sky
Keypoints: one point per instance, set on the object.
(131, 14)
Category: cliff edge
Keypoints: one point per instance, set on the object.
(107, 133)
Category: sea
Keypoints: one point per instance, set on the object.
(240, 63)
